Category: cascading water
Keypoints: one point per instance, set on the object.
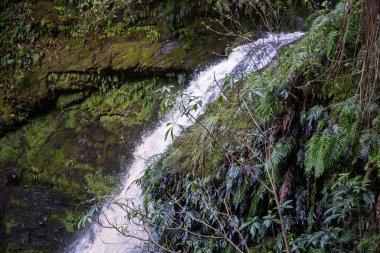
(242, 60)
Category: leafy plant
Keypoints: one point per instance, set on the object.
(348, 198)
(325, 149)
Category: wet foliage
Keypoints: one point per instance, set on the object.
(290, 155)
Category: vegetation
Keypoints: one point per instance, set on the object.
(286, 159)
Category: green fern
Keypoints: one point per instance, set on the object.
(315, 113)
(325, 144)
(281, 151)
(311, 150)
(325, 149)
(240, 192)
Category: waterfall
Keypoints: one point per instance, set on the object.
(242, 60)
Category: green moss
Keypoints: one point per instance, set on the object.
(98, 184)
(69, 99)
(10, 148)
(72, 189)
(71, 220)
(46, 163)
(71, 81)
(38, 130)
(131, 54)
(11, 247)
(9, 225)
(19, 202)
(72, 118)
(131, 104)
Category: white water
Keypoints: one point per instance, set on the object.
(243, 59)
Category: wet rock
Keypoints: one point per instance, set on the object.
(126, 112)
(3, 178)
(97, 134)
(167, 48)
(14, 176)
(10, 176)
(28, 219)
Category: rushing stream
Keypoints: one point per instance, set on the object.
(242, 60)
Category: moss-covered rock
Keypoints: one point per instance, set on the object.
(69, 67)
(50, 167)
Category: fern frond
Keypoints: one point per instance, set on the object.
(315, 113)
(324, 145)
(368, 144)
(281, 151)
(311, 149)
(325, 149)
(239, 193)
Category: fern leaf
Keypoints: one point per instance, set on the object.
(323, 147)
(281, 151)
(311, 149)
(315, 113)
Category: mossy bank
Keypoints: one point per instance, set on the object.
(52, 167)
